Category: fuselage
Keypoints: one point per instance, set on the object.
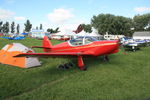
(95, 48)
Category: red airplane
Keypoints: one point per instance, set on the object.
(79, 47)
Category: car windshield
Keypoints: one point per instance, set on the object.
(82, 41)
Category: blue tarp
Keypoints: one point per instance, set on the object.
(24, 33)
(14, 38)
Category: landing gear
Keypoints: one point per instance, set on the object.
(81, 63)
(83, 68)
(69, 65)
(106, 59)
(65, 66)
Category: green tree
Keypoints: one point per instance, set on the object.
(28, 26)
(142, 22)
(122, 25)
(111, 24)
(12, 27)
(50, 30)
(37, 28)
(103, 23)
(1, 23)
(87, 28)
(41, 26)
(56, 30)
(5, 28)
(18, 28)
(53, 30)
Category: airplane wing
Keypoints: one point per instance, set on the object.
(57, 54)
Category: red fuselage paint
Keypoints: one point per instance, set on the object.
(95, 48)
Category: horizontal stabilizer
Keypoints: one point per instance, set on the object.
(41, 47)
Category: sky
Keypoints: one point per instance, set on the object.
(67, 14)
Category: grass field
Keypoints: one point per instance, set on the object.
(125, 77)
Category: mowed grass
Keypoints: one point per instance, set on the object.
(124, 77)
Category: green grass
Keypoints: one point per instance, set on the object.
(125, 77)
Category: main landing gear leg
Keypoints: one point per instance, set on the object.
(106, 58)
(81, 63)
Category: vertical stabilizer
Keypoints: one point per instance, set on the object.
(47, 44)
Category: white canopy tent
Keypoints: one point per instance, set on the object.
(70, 34)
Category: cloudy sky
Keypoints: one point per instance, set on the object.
(67, 14)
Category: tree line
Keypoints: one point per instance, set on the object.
(103, 23)
(6, 27)
(118, 25)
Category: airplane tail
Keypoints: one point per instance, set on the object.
(47, 45)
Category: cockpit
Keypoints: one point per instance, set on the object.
(81, 41)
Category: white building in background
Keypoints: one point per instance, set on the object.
(35, 33)
(141, 35)
(112, 37)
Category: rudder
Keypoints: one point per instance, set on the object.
(46, 44)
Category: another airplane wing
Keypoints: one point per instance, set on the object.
(57, 54)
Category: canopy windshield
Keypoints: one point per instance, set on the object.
(82, 41)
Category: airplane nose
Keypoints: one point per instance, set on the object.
(119, 42)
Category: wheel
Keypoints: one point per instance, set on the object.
(83, 68)
(106, 59)
(70, 64)
(66, 66)
(61, 66)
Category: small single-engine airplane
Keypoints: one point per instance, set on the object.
(79, 47)
(132, 44)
